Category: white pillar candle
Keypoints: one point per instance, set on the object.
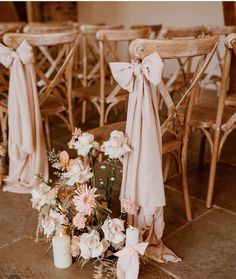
(132, 236)
(61, 251)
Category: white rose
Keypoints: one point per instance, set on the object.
(77, 173)
(116, 147)
(117, 138)
(91, 246)
(84, 144)
(113, 230)
(39, 195)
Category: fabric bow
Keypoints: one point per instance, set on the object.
(23, 52)
(151, 67)
(128, 261)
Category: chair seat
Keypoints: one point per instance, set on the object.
(51, 106)
(230, 100)
(92, 93)
(204, 115)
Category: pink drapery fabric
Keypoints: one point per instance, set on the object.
(128, 261)
(26, 145)
(142, 179)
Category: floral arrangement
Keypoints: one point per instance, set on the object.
(76, 204)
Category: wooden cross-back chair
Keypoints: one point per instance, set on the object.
(90, 52)
(155, 29)
(214, 77)
(105, 93)
(179, 79)
(175, 127)
(54, 83)
(215, 119)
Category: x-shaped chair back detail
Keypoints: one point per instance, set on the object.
(182, 74)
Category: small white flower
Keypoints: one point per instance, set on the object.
(49, 226)
(85, 143)
(101, 182)
(103, 167)
(112, 178)
(116, 147)
(91, 246)
(39, 195)
(113, 230)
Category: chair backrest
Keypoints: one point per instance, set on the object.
(155, 28)
(183, 70)
(90, 51)
(53, 54)
(214, 74)
(42, 27)
(202, 48)
(182, 32)
(108, 40)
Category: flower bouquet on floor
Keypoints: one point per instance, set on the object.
(75, 204)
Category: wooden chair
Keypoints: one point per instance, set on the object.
(174, 128)
(104, 92)
(214, 75)
(155, 29)
(54, 84)
(215, 119)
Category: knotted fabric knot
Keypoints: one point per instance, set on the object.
(136, 66)
(151, 67)
(128, 258)
(23, 52)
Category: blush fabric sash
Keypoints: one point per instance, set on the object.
(26, 144)
(142, 179)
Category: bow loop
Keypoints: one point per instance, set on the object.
(124, 73)
(23, 52)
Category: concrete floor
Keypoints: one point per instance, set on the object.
(206, 245)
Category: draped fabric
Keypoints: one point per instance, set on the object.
(26, 145)
(142, 179)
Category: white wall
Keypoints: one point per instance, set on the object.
(168, 13)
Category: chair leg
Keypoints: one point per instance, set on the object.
(166, 168)
(214, 159)
(185, 182)
(47, 131)
(202, 151)
(84, 106)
